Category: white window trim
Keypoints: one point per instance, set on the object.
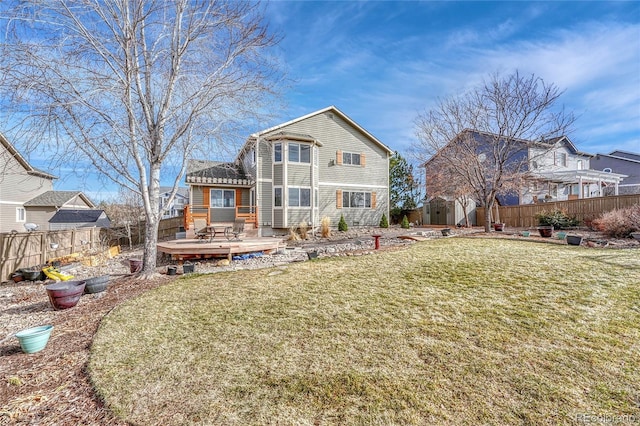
(24, 215)
(361, 208)
(223, 190)
(281, 152)
(281, 197)
(299, 188)
(299, 151)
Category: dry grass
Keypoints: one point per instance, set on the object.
(455, 331)
(325, 227)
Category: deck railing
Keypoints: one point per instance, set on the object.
(191, 212)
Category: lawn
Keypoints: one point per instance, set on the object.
(454, 331)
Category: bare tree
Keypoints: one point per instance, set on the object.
(126, 214)
(136, 86)
(482, 137)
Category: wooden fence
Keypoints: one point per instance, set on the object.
(524, 216)
(30, 249)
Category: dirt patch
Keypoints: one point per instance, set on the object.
(52, 387)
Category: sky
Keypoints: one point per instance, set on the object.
(382, 63)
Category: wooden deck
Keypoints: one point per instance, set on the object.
(204, 249)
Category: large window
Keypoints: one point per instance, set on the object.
(223, 198)
(277, 196)
(561, 159)
(299, 197)
(21, 214)
(356, 200)
(351, 158)
(299, 153)
(277, 152)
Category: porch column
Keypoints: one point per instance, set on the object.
(615, 186)
(581, 190)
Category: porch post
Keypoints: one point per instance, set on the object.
(616, 187)
(581, 190)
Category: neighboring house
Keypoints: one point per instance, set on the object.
(43, 207)
(176, 208)
(320, 165)
(627, 163)
(27, 195)
(19, 183)
(554, 170)
(71, 219)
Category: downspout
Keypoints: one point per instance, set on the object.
(258, 189)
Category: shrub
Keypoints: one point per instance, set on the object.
(619, 223)
(293, 235)
(325, 227)
(405, 222)
(384, 223)
(303, 228)
(557, 218)
(342, 225)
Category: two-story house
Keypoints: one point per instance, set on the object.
(27, 195)
(551, 170)
(176, 207)
(622, 162)
(320, 165)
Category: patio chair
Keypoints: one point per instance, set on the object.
(201, 229)
(233, 233)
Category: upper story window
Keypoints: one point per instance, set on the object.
(351, 158)
(21, 214)
(223, 198)
(299, 153)
(561, 159)
(580, 165)
(277, 152)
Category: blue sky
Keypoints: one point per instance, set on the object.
(382, 63)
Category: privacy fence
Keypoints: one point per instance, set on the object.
(586, 209)
(34, 249)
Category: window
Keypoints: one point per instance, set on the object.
(223, 198)
(351, 158)
(356, 200)
(277, 153)
(277, 197)
(299, 197)
(580, 165)
(560, 159)
(21, 214)
(299, 153)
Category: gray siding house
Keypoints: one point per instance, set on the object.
(320, 165)
(626, 163)
(27, 195)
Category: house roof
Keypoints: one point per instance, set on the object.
(216, 172)
(332, 109)
(56, 199)
(182, 191)
(23, 162)
(76, 216)
(623, 155)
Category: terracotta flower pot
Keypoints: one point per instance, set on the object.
(65, 294)
(545, 231)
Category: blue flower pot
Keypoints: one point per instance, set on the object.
(34, 339)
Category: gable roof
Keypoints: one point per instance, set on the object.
(623, 155)
(56, 199)
(22, 161)
(331, 109)
(182, 191)
(203, 171)
(80, 216)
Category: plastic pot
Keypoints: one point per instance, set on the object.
(135, 265)
(574, 240)
(65, 294)
(96, 284)
(188, 268)
(34, 339)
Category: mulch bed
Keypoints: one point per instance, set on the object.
(51, 386)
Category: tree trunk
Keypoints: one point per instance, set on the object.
(150, 246)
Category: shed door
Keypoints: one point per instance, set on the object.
(438, 212)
